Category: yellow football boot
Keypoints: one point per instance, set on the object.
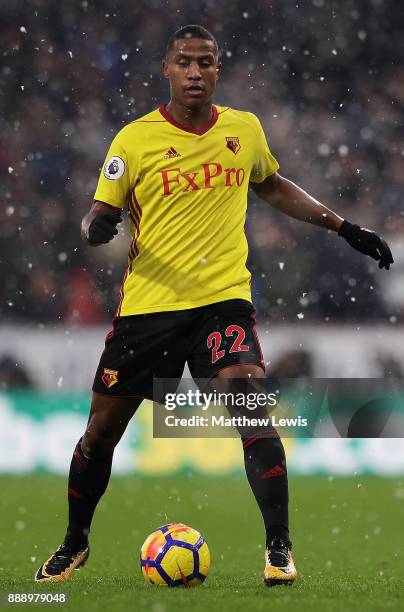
(60, 566)
(279, 566)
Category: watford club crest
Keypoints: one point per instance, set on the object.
(110, 377)
(233, 143)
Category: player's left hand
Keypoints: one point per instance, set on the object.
(367, 242)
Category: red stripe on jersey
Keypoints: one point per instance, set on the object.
(121, 293)
(132, 216)
(136, 204)
(133, 251)
(135, 212)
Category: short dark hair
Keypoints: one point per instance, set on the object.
(191, 31)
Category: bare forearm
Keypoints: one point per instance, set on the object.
(85, 224)
(295, 202)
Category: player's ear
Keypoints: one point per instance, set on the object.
(218, 69)
(164, 66)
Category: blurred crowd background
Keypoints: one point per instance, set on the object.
(327, 81)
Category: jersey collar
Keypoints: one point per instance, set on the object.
(185, 128)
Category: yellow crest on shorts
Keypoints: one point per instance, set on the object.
(110, 377)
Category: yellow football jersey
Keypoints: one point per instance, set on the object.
(186, 192)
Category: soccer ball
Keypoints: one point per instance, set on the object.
(175, 555)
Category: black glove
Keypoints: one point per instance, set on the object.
(103, 228)
(367, 242)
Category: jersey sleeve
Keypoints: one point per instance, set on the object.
(264, 163)
(114, 184)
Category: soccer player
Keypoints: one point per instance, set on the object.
(184, 171)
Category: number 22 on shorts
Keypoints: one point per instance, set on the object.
(215, 339)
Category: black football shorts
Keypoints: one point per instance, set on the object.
(142, 347)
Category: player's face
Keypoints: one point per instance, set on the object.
(192, 68)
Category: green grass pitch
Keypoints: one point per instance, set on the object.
(347, 533)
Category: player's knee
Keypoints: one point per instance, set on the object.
(97, 445)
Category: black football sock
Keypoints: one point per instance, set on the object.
(88, 480)
(265, 465)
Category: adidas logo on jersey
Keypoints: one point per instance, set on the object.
(171, 153)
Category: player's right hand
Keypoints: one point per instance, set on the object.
(103, 228)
